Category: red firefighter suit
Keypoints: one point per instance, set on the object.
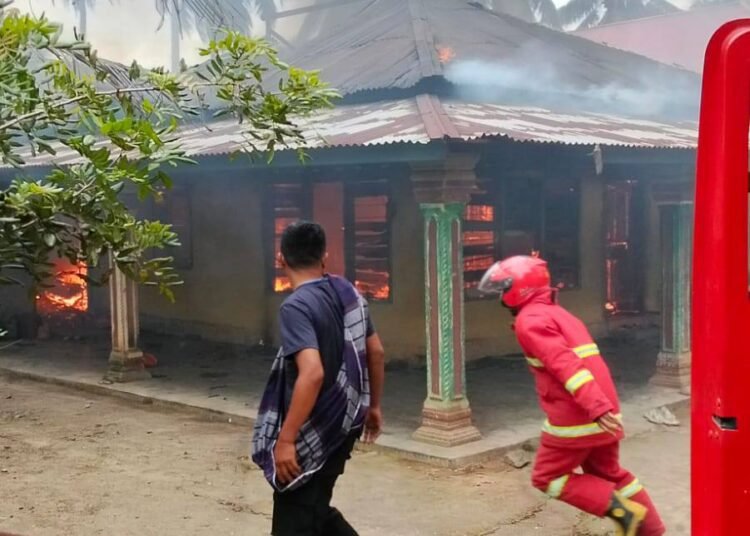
(577, 461)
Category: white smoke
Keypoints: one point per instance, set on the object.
(533, 80)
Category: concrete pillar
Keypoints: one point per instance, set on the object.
(673, 363)
(442, 191)
(126, 359)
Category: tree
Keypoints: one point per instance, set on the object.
(545, 12)
(205, 16)
(124, 127)
(579, 14)
(81, 8)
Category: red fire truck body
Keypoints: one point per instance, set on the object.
(721, 302)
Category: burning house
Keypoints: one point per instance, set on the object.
(68, 291)
(463, 135)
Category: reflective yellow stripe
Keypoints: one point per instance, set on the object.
(534, 362)
(556, 487)
(587, 350)
(631, 489)
(581, 430)
(577, 380)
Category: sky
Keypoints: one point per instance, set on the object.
(122, 30)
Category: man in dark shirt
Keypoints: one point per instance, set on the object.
(312, 339)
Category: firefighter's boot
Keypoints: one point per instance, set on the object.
(626, 514)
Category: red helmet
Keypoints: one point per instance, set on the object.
(516, 279)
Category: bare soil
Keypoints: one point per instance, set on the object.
(77, 464)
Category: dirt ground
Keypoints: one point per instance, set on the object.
(78, 464)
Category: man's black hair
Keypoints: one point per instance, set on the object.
(303, 245)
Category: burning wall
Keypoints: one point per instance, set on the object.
(228, 293)
(68, 293)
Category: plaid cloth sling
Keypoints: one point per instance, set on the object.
(339, 410)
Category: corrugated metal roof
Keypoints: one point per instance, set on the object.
(541, 125)
(380, 44)
(426, 118)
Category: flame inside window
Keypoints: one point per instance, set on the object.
(478, 241)
(361, 250)
(288, 202)
(69, 291)
(371, 247)
(483, 213)
(282, 284)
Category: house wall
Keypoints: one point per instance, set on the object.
(488, 325)
(226, 297)
(400, 321)
(16, 310)
(223, 296)
(653, 278)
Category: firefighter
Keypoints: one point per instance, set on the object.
(578, 457)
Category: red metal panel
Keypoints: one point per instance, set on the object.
(721, 307)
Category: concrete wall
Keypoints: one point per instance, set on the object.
(488, 324)
(653, 277)
(400, 321)
(224, 296)
(16, 310)
(18, 313)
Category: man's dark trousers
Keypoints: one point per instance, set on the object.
(307, 511)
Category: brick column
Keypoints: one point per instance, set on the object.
(126, 359)
(442, 190)
(673, 363)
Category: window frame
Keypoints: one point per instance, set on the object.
(576, 184)
(269, 226)
(351, 191)
(367, 188)
(491, 197)
(497, 196)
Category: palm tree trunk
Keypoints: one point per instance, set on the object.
(82, 9)
(176, 36)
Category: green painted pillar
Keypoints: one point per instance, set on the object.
(446, 415)
(673, 363)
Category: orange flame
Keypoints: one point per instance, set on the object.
(282, 284)
(445, 54)
(482, 213)
(70, 290)
(379, 292)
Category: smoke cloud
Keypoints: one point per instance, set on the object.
(536, 81)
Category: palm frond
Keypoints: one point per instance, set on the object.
(267, 9)
(576, 12)
(208, 16)
(77, 4)
(545, 12)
